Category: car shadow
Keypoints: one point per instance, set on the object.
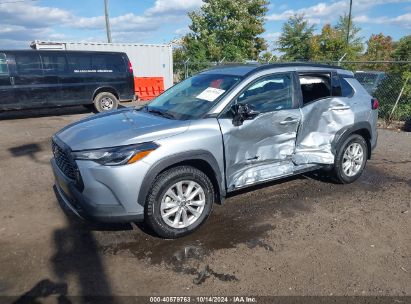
(32, 150)
(77, 260)
(76, 254)
(43, 289)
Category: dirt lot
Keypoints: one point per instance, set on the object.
(302, 236)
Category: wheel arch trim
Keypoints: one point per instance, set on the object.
(107, 89)
(180, 158)
(357, 128)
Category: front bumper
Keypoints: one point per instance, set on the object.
(71, 198)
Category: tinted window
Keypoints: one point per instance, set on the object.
(80, 62)
(108, 63)
(346, 89)
(269, 93)
(315, 86)
(3, 65)
(54, 63)
(28, 63)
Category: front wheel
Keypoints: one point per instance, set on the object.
(179, 202)
(351, 159)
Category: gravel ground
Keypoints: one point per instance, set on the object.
(300, 236)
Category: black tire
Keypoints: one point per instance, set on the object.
(161, 184)
(339, 174)
(101, 98)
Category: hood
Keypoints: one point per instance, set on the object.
(118, 128)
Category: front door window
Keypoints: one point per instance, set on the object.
(271, 93)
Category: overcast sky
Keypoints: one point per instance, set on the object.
(160, 21)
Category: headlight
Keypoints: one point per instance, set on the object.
(117, 155)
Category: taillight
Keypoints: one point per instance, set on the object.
(374, 103)
(130, 67)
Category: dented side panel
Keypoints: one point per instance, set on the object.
(260, 149)
(321, 121)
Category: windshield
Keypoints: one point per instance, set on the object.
(193, 97)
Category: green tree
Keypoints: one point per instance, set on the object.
(331, 44)
(226, 29)
(403, 50)
(355, 46)
(398, 77)
(379, 48)
(295, 38)
(266, 57)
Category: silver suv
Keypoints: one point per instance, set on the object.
(219, 131)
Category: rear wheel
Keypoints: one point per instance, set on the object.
(179, 202)
(105, 101)
(351, 159)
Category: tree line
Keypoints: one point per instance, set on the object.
(231, 31)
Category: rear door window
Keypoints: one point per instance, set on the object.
(315, 86)
(28, 63)
(108, 63)
(80, 63)
(54, 63)
(3, 65)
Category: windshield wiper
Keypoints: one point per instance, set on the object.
(159, 112)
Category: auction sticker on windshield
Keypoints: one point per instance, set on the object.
(210, 94)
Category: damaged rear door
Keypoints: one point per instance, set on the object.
(261, 148)
(324, 113)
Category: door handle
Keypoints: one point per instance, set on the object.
(340, 108)
(289, 121)
(12, 80)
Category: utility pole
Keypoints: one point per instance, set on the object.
(108, 30)
(349, 23)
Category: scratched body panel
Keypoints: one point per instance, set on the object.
(261, 148)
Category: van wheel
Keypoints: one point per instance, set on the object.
(105, 101)
(351, 159)
(179, 202)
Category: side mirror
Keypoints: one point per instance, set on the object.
(242, 112)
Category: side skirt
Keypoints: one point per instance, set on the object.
(298, 170)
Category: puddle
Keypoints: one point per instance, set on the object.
(239, 221)
(187, 255)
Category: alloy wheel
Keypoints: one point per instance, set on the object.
(182, 204)
(353, 159)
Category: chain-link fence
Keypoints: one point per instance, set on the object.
(389, 82)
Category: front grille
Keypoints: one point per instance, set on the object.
(63, 161)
